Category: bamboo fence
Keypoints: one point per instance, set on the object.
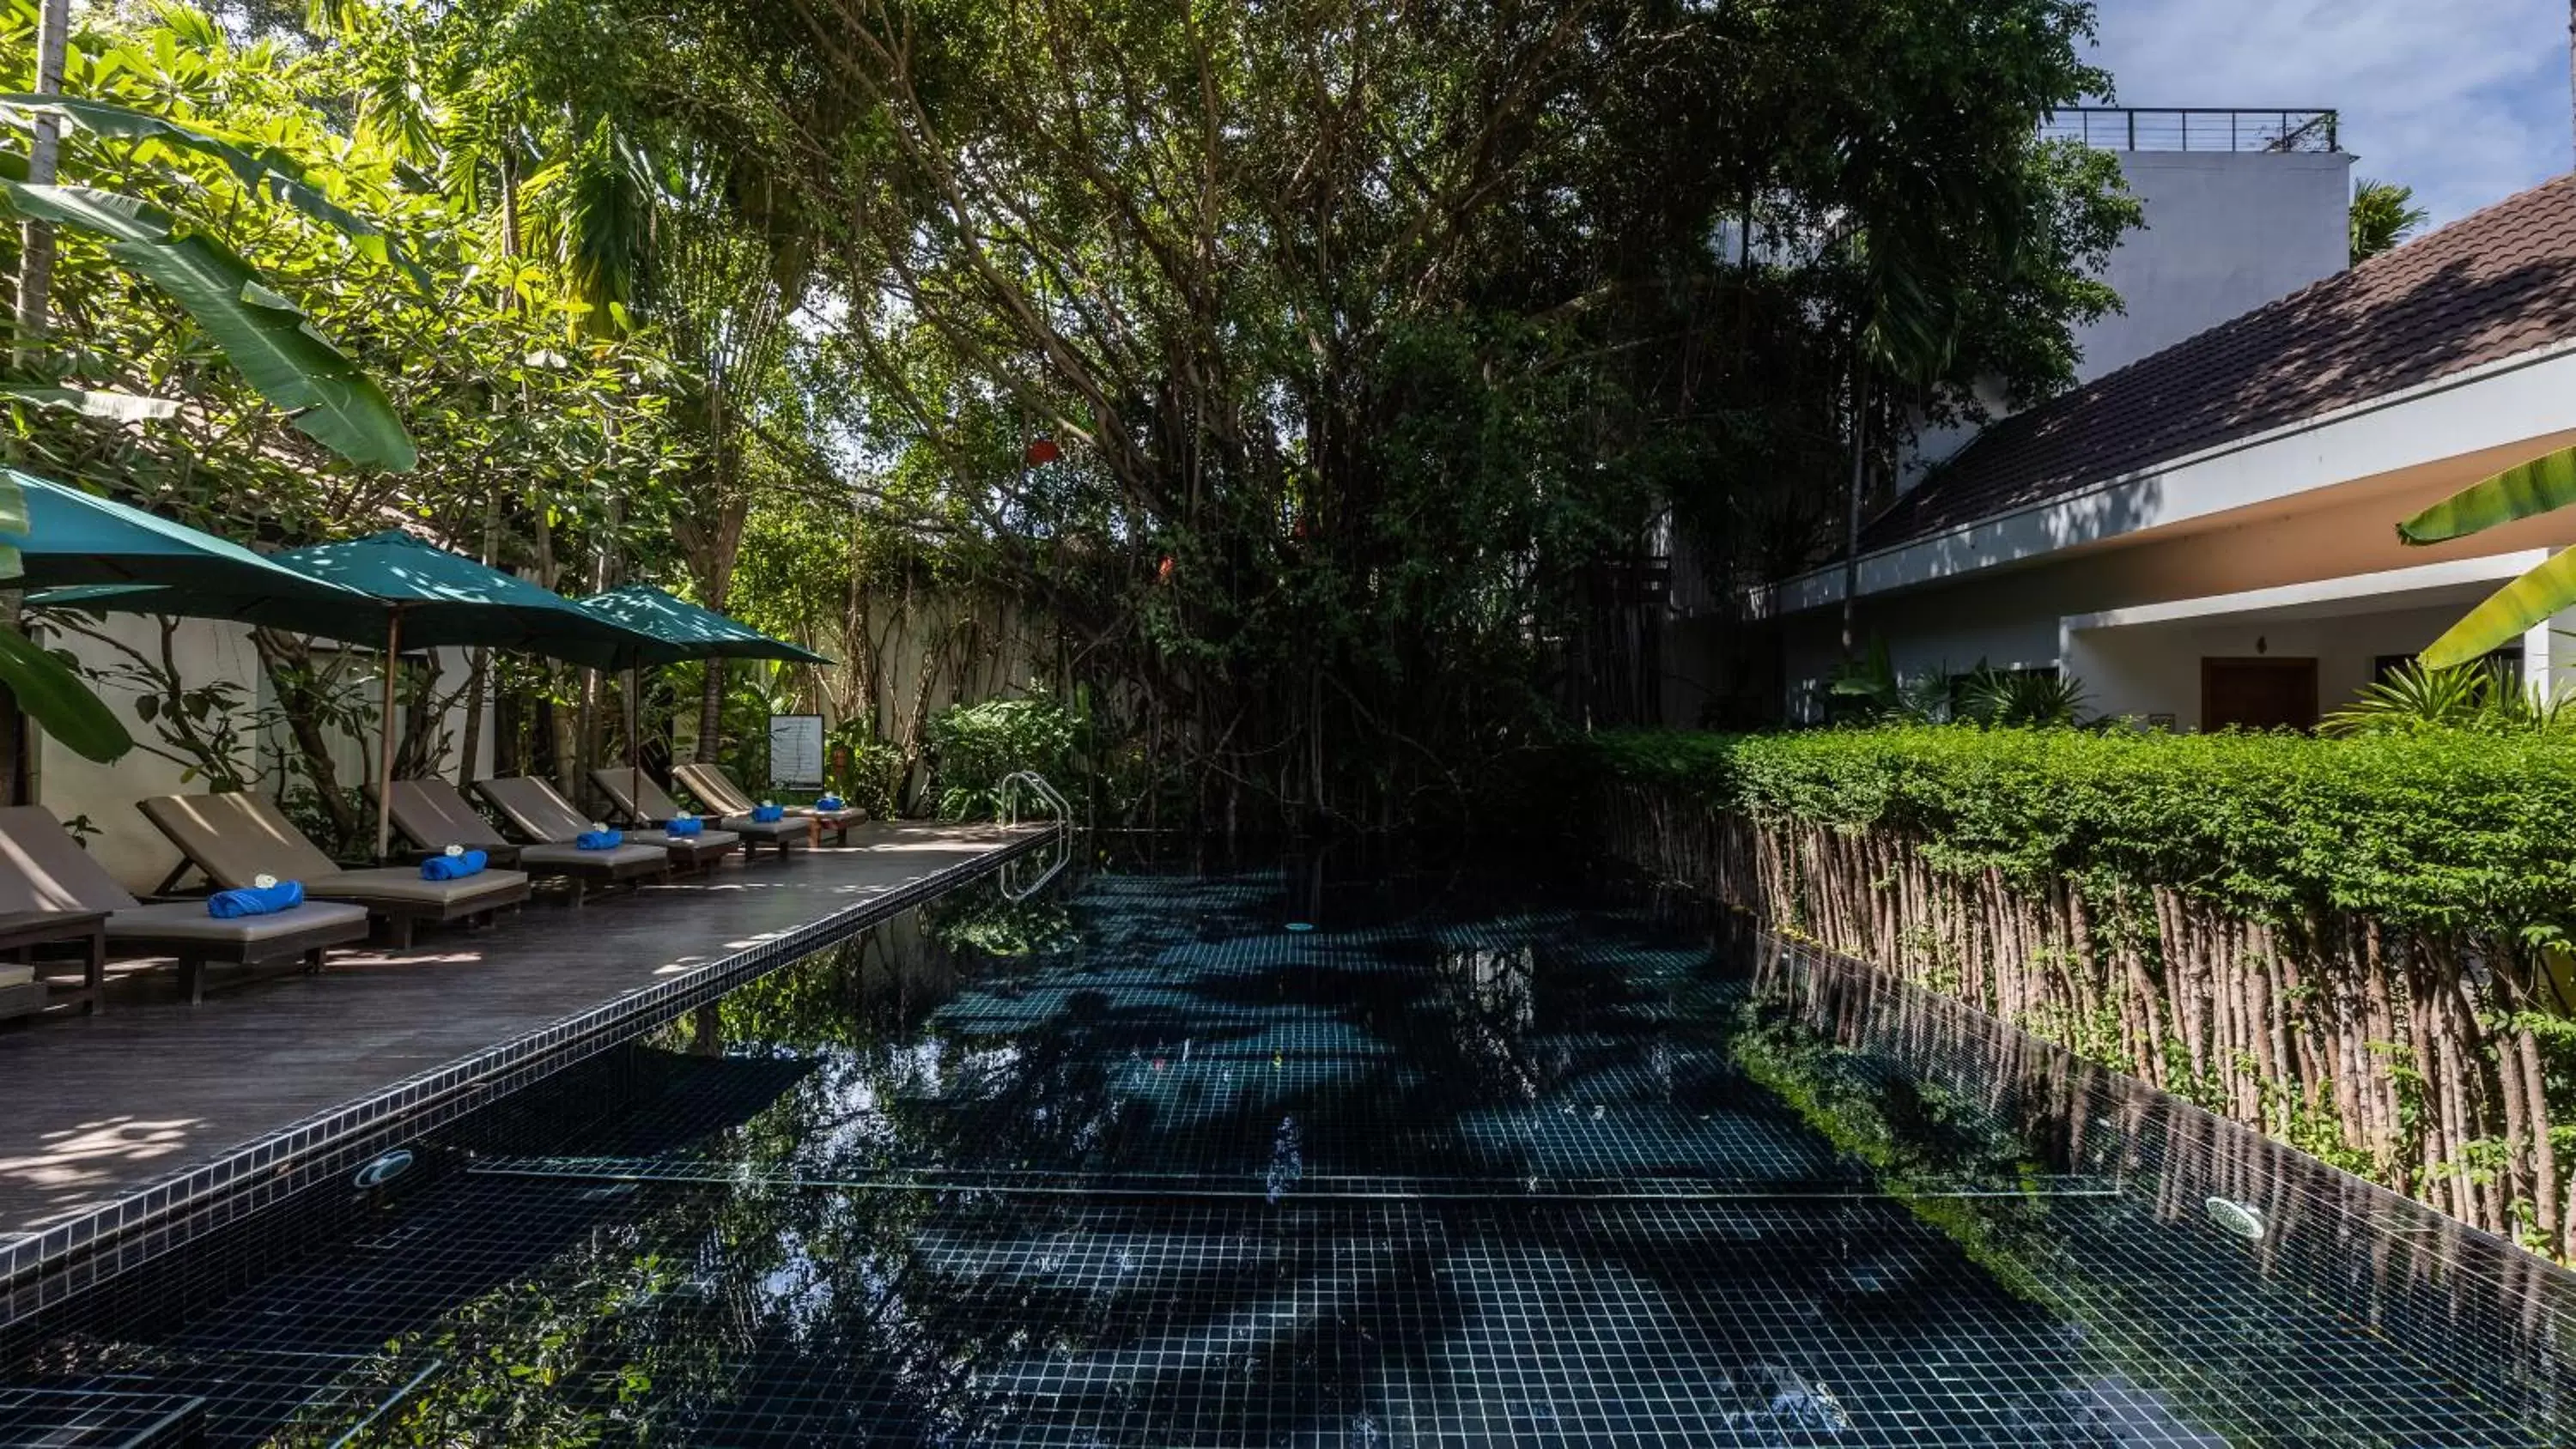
(2410, 1058)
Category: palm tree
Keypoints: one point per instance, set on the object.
(2385, 214)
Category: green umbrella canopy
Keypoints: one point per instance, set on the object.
(398, 593)
(441, 598)
(675, 629)
(72, 537)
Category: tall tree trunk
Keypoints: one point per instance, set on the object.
(1851, 520)
(34, 317)
(478, 679)
(44, 160)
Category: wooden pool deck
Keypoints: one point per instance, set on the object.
(93, 1108)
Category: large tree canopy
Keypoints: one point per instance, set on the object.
(1376, 339)
(1305, 394)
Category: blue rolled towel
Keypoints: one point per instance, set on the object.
(600, 839)
(454, 867)
(232, 905)
(691, 826)
(768, 814)
(829, 802)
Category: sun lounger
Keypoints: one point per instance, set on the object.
(235, 838)
(434, 815)
(711, 784)
(43, 869)
(536, 809)
(643, 802)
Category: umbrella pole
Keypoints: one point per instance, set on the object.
(385, 748)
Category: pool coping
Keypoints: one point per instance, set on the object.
(41, 1269)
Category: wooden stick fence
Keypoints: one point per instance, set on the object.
(2415, 1059)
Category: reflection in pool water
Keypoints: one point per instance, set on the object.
(1136, 1164)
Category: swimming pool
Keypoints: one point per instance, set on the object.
(1323, 1152)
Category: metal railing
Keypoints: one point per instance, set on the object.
(1036, 784)
(2195, 128)
(1015, 882)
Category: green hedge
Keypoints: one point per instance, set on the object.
(2437, 829)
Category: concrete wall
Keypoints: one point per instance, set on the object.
(206, 652)
(2225, 233)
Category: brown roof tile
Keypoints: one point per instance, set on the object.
(2487, 287)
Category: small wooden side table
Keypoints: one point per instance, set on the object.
(20, 930)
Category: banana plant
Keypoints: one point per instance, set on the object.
(46, 685)
(2526, 490)
(277, 349)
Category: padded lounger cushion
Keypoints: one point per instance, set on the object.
(792, 828)
(434, 815)
(403, 885)
(188, 921)
(624, 860)
(236, 838)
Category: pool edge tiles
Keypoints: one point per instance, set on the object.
(40, 1269)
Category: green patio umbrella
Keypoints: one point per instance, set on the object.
(402, 592)
(671, 629)
(74, 537)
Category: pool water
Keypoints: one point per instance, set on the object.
(1301, 1154)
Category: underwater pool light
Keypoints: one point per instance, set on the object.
(2240, 1219)
(384, 1169)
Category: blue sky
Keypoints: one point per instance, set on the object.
(2464, 100)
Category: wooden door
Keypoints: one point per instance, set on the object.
(2258, 694)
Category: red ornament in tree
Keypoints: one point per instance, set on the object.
(1164, 574)
(1043, 450)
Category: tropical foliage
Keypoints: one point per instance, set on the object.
(2526, 490)
(2384, 215)
(2440, 829)
(2486, 697)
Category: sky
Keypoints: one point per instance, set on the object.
(2464, 100)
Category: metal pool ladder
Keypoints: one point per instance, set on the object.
(1016, 883)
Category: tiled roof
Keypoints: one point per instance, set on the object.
(2495, 284)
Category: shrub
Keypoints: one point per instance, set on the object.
(2432, 828)
(974, 746)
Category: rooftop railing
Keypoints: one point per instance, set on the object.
(2193, 128)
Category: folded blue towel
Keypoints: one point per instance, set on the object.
(454, 867)
(232, 905)
(600, 839)
(829, 802)
(768, 814)
(685, 827)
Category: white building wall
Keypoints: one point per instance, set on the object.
(207, 652)
(2225, 233)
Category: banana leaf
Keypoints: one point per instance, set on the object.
(2511, 610)
(56, 697)
(292, 365)
(2525, 490)
(262, 170)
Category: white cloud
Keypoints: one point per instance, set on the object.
(2466, 101)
